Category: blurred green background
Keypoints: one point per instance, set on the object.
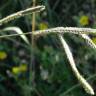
(50, 74)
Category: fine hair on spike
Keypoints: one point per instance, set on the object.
(22, 13)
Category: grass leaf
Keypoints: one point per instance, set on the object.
(18, 31)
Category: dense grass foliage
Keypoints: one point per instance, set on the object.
(53, 75)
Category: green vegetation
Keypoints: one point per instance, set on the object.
(42, 68)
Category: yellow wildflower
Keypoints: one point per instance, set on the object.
(94, 39)
(3, 55)
(84, 20)
(23, 68)
(15, 70)
(43, 26)
(19, 69)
